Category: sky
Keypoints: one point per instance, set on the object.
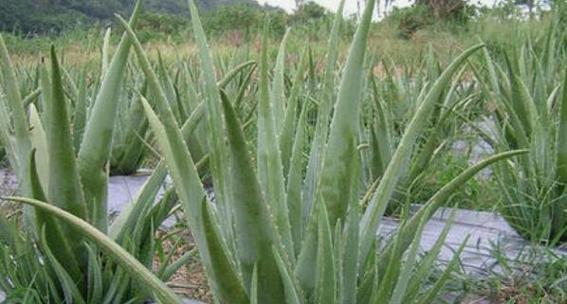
(350, 5)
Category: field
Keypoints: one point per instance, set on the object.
(268, 152)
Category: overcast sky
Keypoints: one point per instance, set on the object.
(350, 5)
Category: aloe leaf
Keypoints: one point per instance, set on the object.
(405, 276)
(105, 58)
(254, 286)
(185, 178)
(408, 233)
(292, 294)
(294, 197)
(270, 170)
(427, 262)
(172, 268)
(70, 290)
(436, 289)
(214, 109)
(5, 137)
(54, 237)
(286, 136)
(168, 89)
(96, 146)
(230, 288)
(375, 210)
(134, 268)
(228, 77)
(350, 258)
(64, 187)
(338, 168)
(95, 280)
(388, 275)
(325, 274)
(322, 126)
(380, 136)
(177, 155)
(243, 88)
(39, 143)
(21, 146)
(128, 218)
(257, 233)
(80, 115)
(277, 96)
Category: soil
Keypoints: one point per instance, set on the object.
(190, 280)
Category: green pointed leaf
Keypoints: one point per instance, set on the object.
(394, 171)
(230, 287)
(270, 170)
(95, 149)
(338, 168)
(325, 274)
(55, 237)
(257, 233)
(64, 187)
(134, 268)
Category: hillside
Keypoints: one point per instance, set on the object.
(48, 16)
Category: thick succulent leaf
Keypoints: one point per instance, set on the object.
(172, 268)
(94, 276)
(407, 234)
(128, 218)
(254, 286)
(270, 170)
(177, 156)
(105, 55)
(292, 293)
(39, 143)
(31, 97)
(95, 149)
(68, 284)
(426, 264)
(13, 105)
(134, 268)
(407, 269)
(55, 237)
(230, 288)
(215, 123)
(435, 290)
(253, 219)
(185, 179)
(324, 112)
(325, 274)
(230, 75)
(337, 171)
(349, 259)
(294, 184)
(338, 168)
(286, 136)
(277, 96)
(64, 187)
(80, 115)
(394, 171)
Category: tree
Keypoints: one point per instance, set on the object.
(444, 9)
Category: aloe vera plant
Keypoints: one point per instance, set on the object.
(67, 219)
(529, 89)
(393, 100)
(250, 250)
